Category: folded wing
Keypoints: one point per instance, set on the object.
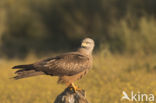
(66, 64)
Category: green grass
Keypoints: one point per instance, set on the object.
(110, 75)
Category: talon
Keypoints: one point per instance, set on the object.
(75, 88)
(71, 88)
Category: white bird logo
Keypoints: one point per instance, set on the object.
(125, 96)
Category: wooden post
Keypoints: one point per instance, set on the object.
(69, 96)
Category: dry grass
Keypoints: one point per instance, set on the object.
(104, 83)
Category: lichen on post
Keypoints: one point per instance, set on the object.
(71, 96)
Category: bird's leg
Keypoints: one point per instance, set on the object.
(75, 88)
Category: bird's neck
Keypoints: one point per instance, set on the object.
(85, 51)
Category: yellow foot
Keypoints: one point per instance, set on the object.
(73, 87)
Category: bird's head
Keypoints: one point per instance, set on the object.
(88, 44)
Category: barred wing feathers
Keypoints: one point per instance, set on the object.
(66, 64)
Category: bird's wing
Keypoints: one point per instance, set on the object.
(66, 64)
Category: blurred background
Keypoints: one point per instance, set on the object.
(124, 57)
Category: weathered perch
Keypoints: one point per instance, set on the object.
(69, 96)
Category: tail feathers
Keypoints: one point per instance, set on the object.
(29, 66)
(27, 73)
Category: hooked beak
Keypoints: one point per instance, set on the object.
(84, 44)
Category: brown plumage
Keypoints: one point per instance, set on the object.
(68, 66)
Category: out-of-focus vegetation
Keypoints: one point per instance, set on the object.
(111, 74)
(120, 28)
(42, 26)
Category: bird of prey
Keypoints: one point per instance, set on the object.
(69, 67)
